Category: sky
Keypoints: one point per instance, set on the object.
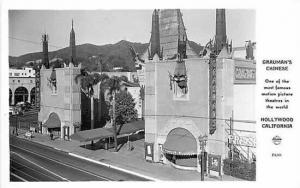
(101, 27)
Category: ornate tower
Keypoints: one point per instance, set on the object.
(45, 51)
(154, 40)
(173, 37)
(73, 46)
(221, 38)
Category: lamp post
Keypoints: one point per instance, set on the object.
(203, 142)
(18, 112)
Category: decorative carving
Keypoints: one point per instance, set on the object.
(178, 81)
(52, 81)
(212, 94)
(37, 88)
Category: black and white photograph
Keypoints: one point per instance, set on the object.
(168, 109)
(148, 94)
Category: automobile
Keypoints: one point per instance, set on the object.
(24, 106)
(28, 134)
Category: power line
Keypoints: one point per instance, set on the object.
(186, 116)
(202, 117)
(33, 42)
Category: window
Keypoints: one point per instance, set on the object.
(19, 81)
(13, 81)
(10, 74)
(17, 74)
(31, 81)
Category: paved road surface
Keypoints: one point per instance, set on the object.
(30, 161)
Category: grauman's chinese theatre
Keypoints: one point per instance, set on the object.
(190, 96)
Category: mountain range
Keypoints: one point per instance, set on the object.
(111, 55)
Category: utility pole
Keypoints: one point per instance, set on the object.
(231, 136)
(114, 119)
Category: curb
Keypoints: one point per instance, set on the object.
(101, 163)
(115, 167)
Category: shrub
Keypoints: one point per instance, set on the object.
(240, 169)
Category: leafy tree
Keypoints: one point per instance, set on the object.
(125, 108)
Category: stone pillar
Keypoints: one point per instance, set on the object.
(150, 109)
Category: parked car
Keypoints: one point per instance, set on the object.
(24, 106)
(28, 134)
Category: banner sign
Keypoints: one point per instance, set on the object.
(214, 163)
(149, 151)
(37, 88)
(245, 75)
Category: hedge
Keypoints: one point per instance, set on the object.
(240, 169)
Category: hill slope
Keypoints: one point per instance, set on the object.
(112, 55)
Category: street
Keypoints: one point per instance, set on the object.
(31, 161)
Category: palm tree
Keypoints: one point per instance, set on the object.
(114, 84)
(87, 81)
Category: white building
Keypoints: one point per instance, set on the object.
(21, 85)
(25, 72)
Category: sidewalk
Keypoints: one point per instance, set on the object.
(132, 161)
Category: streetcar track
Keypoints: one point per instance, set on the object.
(22, 165)
(19, 171)
(40, 166)
(18, 177)
(65, 164)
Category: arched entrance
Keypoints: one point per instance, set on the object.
(32, 96)
(53, 124)
(21, 95)
(10, 97)
(180, 148)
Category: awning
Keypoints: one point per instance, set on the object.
(131, 84)
(101, 133)
(93, 134)
(132, 127)
(180, 142)
(52, 122)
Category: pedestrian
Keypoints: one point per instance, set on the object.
(174, 159)
(51, 135)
